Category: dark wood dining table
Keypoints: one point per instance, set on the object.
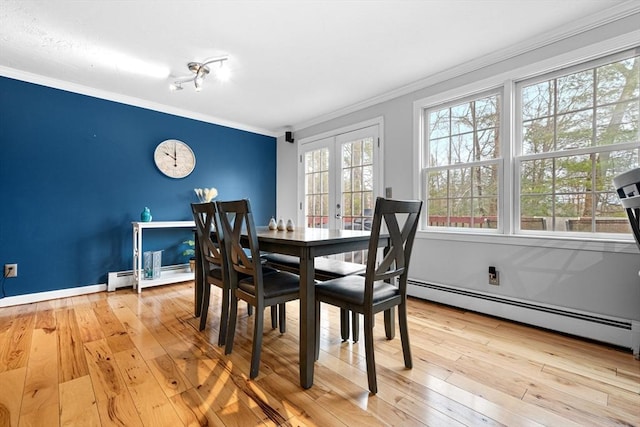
(307, 244)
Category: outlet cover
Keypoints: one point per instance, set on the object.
(11, 270)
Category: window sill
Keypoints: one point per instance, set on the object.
(585, 243)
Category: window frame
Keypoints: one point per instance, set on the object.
(499, 161)
(518, 158)
(507, 232)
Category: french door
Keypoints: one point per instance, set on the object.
(341, 176)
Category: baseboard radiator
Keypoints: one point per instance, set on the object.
(124, 279)
(621, 332)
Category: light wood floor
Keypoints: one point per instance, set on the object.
(138, 360)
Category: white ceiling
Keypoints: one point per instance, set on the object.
(293, 61)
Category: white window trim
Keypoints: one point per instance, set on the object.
(603, 243)
(500, 161)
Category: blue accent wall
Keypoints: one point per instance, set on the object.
(75, 171)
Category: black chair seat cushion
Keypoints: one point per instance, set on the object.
(275, 283)
(351, 290)
(325, 268)
(216, 273)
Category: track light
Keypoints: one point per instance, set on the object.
(200, 71)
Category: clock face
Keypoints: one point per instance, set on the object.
(174, 158)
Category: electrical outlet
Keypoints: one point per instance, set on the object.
(493, 276)
(11, 270)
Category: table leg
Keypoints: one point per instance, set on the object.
(139, 267)
(307, 319)
(197, 279)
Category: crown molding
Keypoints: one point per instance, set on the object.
(579, 26)
(128, 100)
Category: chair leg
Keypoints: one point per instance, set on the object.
(258, 331)
(317, 340)
(224, 316)
(205, 306)
(404, 335)
(282, 313)
(344, 324)
(274, 316)
(231, 327)
(355, 326)
(249, 309)
(368, 349)
(389, 323)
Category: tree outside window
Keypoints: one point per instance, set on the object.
(462, 163)
(579, 130)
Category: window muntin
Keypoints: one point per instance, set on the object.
(578, 130)
(462, 163)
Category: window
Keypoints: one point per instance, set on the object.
(578, 130)
(462, 158)
(537, 156)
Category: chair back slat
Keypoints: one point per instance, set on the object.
(239, 260)
(395, 260)
(206, 218)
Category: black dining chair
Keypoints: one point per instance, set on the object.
(628, 188)
(250, 280)
(378, 291)
(214, 265)
(325, 269)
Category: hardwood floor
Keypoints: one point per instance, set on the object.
(125, 359)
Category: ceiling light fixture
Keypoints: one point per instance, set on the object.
(200, 71)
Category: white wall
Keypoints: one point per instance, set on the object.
(596, 277)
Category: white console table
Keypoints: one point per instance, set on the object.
(173, 276)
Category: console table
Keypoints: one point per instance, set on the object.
(177, 275)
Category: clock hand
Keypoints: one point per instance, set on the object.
(169, 155)
(175, 156)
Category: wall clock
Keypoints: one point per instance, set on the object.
(174, 158)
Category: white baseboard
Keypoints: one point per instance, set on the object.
(49, 295)
(621, 332)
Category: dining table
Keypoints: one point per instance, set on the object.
(307, 244)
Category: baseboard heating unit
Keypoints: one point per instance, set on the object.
(621, 332)
(168, 274)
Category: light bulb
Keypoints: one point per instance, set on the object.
(224, 73)
(198, 82)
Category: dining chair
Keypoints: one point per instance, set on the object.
(260, 285)
(384, 285)
(214, 265)
(325, 269)
(628, 188)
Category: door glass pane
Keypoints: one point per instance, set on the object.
(317, 188)
(357, 189)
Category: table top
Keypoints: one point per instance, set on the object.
(311, 236)
(163, 224)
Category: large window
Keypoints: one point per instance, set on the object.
(536, 155)
(462, 159)
(578, 130)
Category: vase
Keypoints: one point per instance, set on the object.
(145, 216)
(290, 226)
(281, 225)
(272, 224)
